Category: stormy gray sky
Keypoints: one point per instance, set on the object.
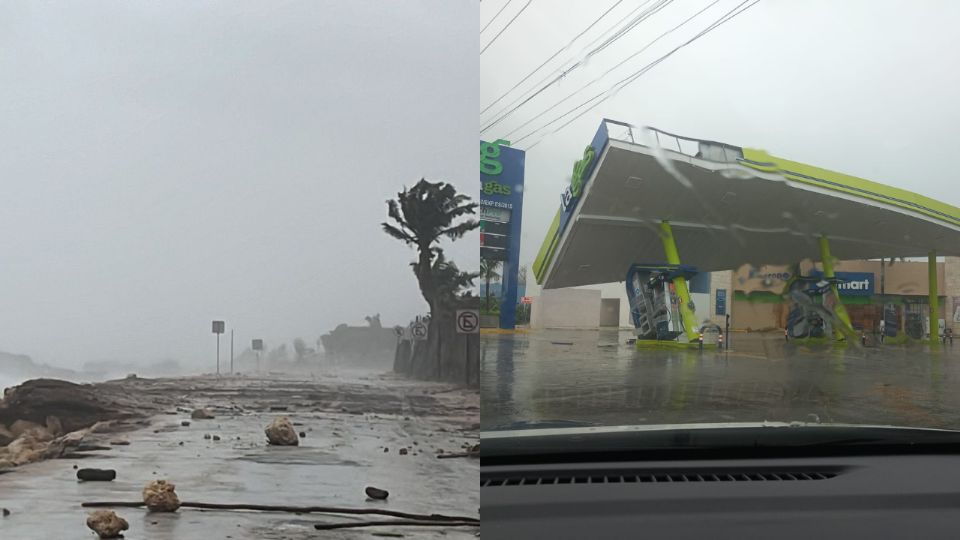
(167, 163)
(863, 87)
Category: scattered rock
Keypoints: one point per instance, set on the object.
(376, 493)
(278, 407)
(120, 442)
(5, 512)
(181, 443)
(96, 475)
(131, 376)
(216, 437)
(280, 432)
(75, 467)
(302, 434)
(403, 451)
(206, 436)
(185, 423)
(385, 449)
(107, 524)
(201, 414)
(159, 496)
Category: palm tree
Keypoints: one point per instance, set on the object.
(488, 271)
(424, 214)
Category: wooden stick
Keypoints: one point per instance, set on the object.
(292, 509)
(394, 523)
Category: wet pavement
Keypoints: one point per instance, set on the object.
(595, 377)
(347, 427)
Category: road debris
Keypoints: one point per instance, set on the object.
(96, 475)
(107, 524)
(280, 432)
(159, 496)
(376, 493)
(202, 414)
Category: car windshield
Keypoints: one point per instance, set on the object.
(700, 213)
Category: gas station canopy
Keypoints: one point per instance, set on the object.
(727, 206)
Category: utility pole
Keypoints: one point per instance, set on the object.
(231, 351)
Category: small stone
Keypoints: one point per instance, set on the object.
(415, 443)
(180, 443)
(385, 449)
(403, 451)
(376, 493)
(216, 437)
(185, 423)
(159, 496)
(120, 443)
(5, 512)
(201, 414)
(96, 475)
(75, 467)
(206, 436)
(302, 434)
(107, 524)
(406, 417)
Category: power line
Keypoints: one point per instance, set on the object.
(610, 70)
(495, 16)
(560, 68)
(636, 75)
(554, 55)
(504, 29)
(507, 111)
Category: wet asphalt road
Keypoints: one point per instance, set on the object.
(591, 376)
(341, 454)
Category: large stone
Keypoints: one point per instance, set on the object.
(159, 496)
(280, 432)
(20, 427)
(5, 436)
(107, 524)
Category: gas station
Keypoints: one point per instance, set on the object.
(657, 211)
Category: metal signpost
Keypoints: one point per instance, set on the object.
(468, 322)
(218, 327)
(257, 345)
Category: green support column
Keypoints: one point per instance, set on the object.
(934, 301)
(679, 283)
(827, 260)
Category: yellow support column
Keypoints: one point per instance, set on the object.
(827, 260)
(934, 301)
(679, 283)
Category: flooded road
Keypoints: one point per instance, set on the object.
(591, 376)
(354, 430)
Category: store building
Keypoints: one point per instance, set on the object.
(758, 302)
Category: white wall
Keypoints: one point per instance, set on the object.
(566, 308)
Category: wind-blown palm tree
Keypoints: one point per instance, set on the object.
(488, 271)
(422, 215)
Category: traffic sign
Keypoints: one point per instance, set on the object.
(468, 321)
(257, 345)
(398, 330)
(218, 327)
(419, 330)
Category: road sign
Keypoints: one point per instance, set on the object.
(398, 330)
(419, 330)
(257, 344)
(721, 302)
(218, 327)
(468, 321)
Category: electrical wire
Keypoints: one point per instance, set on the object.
(504, 113)
(504, 29)
(636, 75)
(495, 16)
(610, 70)
(554, 55)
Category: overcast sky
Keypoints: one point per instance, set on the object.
(864, 87)
(164, 164)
